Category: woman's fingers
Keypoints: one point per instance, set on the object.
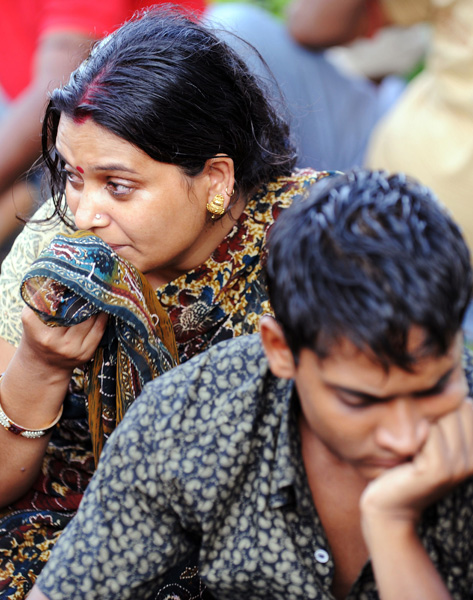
(64, 346)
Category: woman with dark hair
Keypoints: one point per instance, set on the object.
(167, 167)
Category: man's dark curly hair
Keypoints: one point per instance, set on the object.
(366, 257)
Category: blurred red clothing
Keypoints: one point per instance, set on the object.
(24, 22)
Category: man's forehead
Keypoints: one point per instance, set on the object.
(416, 346)
(349, 367)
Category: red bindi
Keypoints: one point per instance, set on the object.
(80, 169)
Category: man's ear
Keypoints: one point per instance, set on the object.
(221, 178)
(281, 360)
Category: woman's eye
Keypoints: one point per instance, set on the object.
(118, 189)
(72, 177)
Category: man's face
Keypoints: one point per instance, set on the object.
(367, 418)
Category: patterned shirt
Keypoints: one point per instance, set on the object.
(209, 456)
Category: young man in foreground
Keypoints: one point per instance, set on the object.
(328, 458)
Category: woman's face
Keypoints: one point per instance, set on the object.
(149, 212)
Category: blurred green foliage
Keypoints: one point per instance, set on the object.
(277, 7)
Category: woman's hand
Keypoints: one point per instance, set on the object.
(36, 380)
(61, 347)
(33, 389)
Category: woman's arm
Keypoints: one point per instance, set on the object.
(33, 389)
(6, 354)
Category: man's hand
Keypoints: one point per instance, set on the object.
(445, 459)
(392, 504)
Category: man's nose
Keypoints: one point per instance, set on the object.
(404, 429)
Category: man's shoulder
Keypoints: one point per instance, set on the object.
(218, 385)
(448, 524)
(238, 356)
(211, 405)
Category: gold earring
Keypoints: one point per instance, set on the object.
(232, 192)
(216, 207)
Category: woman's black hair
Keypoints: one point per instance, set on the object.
(168, 85)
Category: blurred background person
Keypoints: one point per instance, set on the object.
(331, 113)
(429, 132)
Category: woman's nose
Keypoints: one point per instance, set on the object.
(404, 429)
(87, 214)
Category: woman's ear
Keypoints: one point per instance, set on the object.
(221, 178)
(278, 353)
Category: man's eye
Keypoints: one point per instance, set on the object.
(355, 401)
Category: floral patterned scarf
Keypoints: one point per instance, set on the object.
(78, 276)
(226, 295)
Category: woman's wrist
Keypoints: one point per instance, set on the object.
(17, 429)
(31, 394)
(30, 360)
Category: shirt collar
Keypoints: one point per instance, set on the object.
(287, 455)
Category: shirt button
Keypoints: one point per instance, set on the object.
(321, 556)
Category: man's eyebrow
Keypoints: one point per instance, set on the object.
(373, 399)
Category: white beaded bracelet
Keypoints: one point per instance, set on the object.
(19, 430)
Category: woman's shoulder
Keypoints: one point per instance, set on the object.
(279, 194)
(305, 177)
(34, 237)
(287, 188)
